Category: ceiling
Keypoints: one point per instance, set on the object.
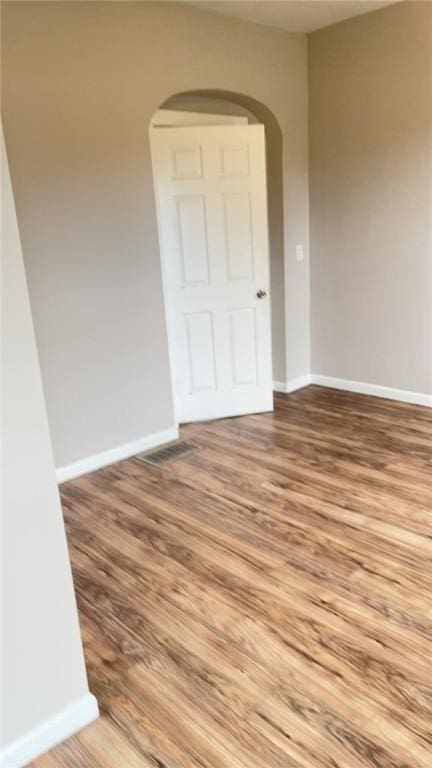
(292, 15)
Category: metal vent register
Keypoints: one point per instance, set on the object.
(169, 453)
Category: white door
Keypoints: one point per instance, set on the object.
(176, 117)
(212, 213)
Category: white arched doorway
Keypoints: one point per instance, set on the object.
(210, 185)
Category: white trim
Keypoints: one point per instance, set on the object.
(49, 733)
(292, 384)
(376, 390)
(98, 460)
(359, 387)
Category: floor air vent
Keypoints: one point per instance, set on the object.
(171, 452)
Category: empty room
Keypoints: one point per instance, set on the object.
(216, 367)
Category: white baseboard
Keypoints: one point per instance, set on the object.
(292, 384)
(361, 388)
(403, 395)
(49, 733)
(99, 460)
(279, 386)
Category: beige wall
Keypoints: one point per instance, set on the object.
(42, 666)
(80, 83)
(370, 86)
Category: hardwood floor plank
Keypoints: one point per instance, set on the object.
(344, 737)
(265, 601)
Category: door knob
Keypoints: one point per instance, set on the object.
(261, 294)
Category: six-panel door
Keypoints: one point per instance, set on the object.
(212, 212)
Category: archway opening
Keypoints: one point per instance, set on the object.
(231, 103)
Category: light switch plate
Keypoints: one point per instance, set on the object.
(299, 252)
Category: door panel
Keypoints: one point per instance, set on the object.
(193, 239)
(201, 351)
(187, 162)
(234, 160)
(212, 212)
(238, 235)
(243, 345)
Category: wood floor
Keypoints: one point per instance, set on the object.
(263, 602)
